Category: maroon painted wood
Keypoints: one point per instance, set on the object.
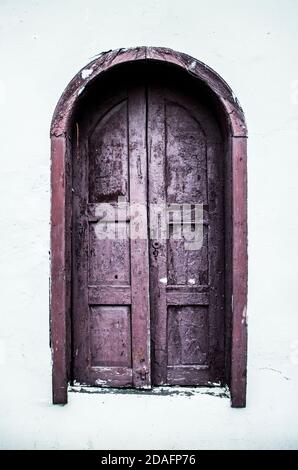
(239, 273)
(58, 272)
(186, 167)
(110, 291)
(99, 299)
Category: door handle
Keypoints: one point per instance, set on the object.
(155, 246)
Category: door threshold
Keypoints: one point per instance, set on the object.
(213, 389)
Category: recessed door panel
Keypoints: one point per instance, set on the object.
(110, 336)
(187, 331)
(108, 156)
(186, 158)
(109, 255)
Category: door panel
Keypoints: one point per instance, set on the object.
(110, 336)
(187, 335)
(186, 165)
(111, 269)
(187, 285)
(109, 258)
(108, 156)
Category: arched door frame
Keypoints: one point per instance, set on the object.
(236, 196)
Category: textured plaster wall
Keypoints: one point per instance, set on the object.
(253, 45)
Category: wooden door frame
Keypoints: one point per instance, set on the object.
(232, 118)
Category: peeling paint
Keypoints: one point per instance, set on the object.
(86, 73)
(81, 90)
(214, 390)
(243, 320)
(78, 384)
(101, 382)
(192, 66)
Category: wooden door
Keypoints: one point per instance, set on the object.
(187, 276)
(110, 268)
(154, 146)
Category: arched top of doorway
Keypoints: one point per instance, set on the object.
(106, 60)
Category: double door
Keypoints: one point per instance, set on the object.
(148, 238)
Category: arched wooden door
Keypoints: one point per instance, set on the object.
(155, 128)
(147, 300)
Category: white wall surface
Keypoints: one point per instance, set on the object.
(253, 46)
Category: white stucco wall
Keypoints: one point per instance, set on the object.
(253, 45)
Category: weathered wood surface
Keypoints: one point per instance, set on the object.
(111, 313)
(106, 60)
(140, 319)
(186, 167)
(239, 274)
(177, 294)
(58, 317)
